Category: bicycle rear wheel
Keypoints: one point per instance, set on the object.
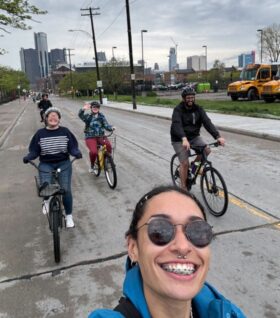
(110, 171)
(55, 210)
(174, 170)
(214, 191)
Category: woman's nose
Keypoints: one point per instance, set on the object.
(180, 243)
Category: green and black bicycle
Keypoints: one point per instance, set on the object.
(212, 185)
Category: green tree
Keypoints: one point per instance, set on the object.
(15, 14)
(270, 38)
(9, 81)
(115, 75)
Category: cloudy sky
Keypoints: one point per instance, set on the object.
(227, 27)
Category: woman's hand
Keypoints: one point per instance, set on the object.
(86, 106)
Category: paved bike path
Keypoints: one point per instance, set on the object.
(256, 127)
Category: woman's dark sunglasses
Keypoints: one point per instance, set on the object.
(162, 231)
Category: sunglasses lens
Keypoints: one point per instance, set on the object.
(160, 232)
(199, 233)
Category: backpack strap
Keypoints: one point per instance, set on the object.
(127, 309)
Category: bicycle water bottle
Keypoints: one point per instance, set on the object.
(194, 166)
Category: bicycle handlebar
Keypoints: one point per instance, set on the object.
(106, 135)
(200, 149)
(58, 170)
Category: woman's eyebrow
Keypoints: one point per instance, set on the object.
(195, 217)
(161, 215)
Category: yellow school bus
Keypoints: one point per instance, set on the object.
(252, 79)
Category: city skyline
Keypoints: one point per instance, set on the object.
(227, 28)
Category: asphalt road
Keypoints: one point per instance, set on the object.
(245, 262)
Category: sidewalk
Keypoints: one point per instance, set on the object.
(250, 126)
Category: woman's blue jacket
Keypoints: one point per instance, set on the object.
(209, 303)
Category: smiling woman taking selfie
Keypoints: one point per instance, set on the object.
(169, 254)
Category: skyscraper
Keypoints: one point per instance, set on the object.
(41, 45)
(30, 65)
(57, 56)
(245, 59)
(172, 59)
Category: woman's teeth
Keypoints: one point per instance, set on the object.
(178, 268)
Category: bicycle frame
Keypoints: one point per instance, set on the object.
(53, 192)
(204, 162)
(212, 185)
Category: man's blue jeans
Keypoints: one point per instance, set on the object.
(64, 179)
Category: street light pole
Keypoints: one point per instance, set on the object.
(261, 31)
(143, 64)
(113, 57)
(205, 46)
(95, 54)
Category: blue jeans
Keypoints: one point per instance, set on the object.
(64, 179)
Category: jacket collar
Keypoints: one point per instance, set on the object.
(209, 302)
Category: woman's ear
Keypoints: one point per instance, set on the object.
(132, 249)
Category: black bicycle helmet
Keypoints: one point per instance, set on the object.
(188, 91)
(51, 110)
(95, 104)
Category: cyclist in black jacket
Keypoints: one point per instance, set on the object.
(187, 120)
(43, 105)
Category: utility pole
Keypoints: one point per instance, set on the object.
(130, 56)
(71, 77)
(99, 82)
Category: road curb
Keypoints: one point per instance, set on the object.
(220, 127)
(10, 127)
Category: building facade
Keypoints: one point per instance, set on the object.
(196, 62)
(41, 46)
(30, 65)
(57, 57)
(172, 59)
(245, 59)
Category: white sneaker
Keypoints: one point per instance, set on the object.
(46, 206)
(69, 221)
(90, 170)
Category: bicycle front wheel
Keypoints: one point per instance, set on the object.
(214, 191)
(110, 171)
(96, 168)
(174, 170)
(55, 209)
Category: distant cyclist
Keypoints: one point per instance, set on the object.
(53, 145)
(95, 126)
(187, 120)
(43, 105)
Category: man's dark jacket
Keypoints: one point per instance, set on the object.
(187, 122)
(44, 104)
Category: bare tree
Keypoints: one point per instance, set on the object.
(270, 38)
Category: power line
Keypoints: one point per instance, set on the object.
(112, 22)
